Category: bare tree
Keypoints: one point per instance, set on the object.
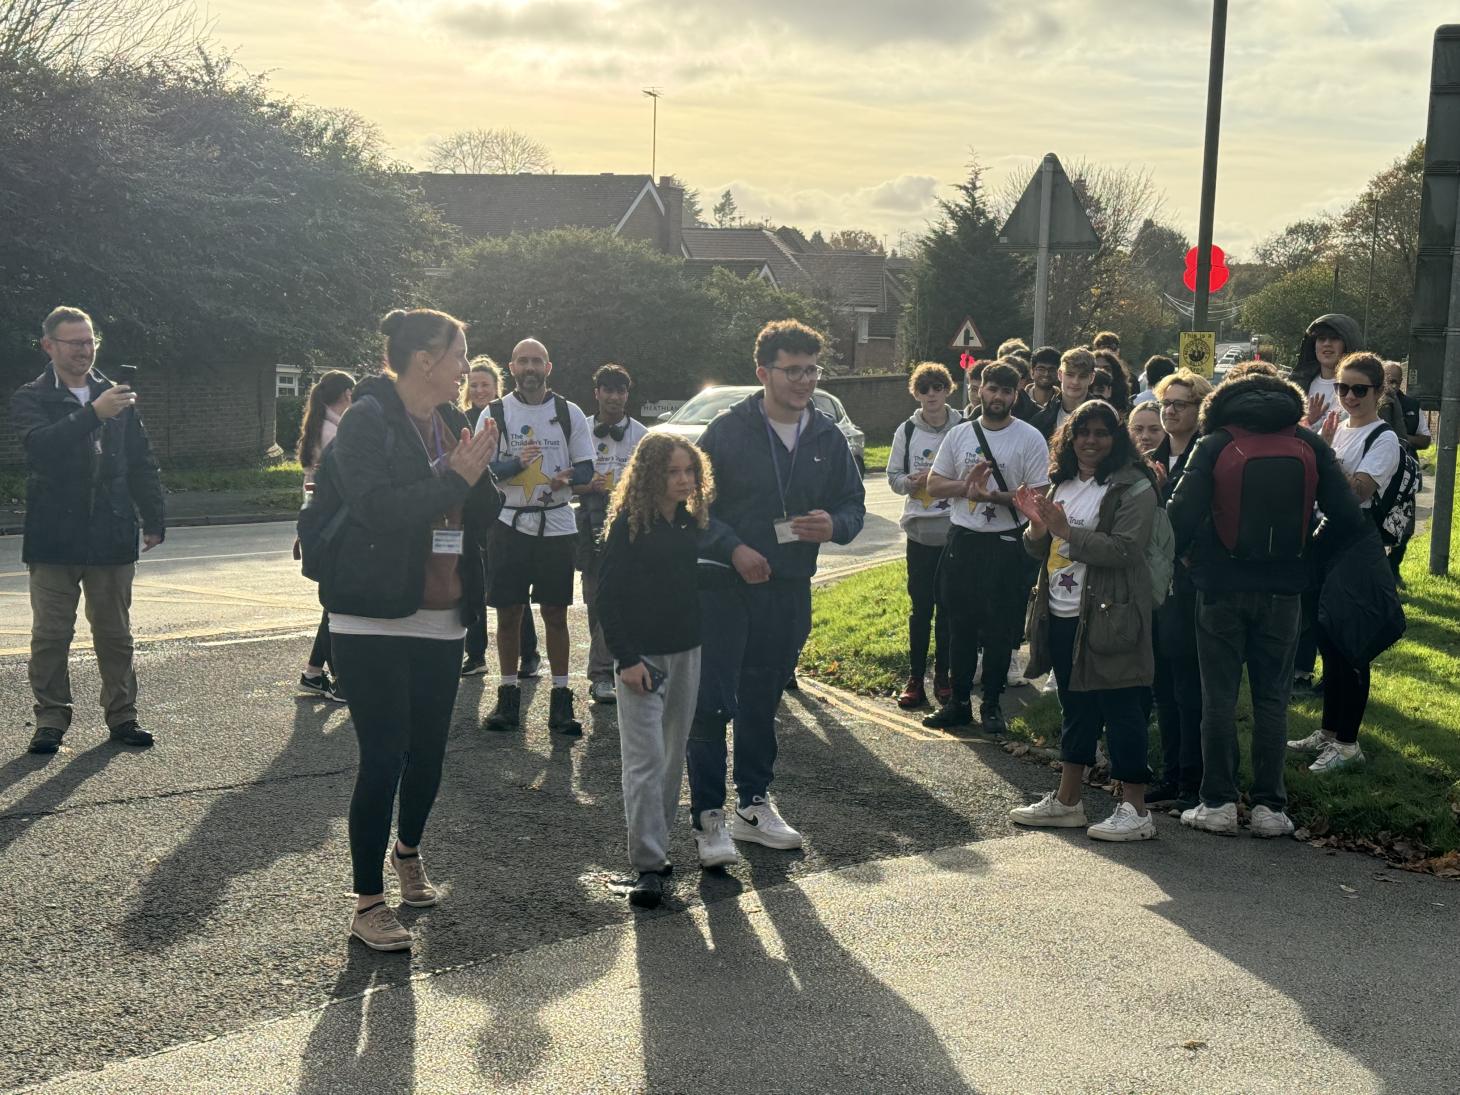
(98, 34)
(490, 152)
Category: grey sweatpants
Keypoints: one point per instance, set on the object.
(652, 731)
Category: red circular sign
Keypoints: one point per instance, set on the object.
(1219, 274)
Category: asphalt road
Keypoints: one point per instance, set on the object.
(162, 899)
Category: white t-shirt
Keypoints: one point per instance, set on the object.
(1081, 499)
(1382, 460)
(424, 623)
(1023, 458)
(83, 393)
(530, 488)
(787, 431)
(1147, 396)
(610, 457)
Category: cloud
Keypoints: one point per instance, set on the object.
(904, 194)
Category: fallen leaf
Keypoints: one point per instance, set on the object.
(1347, 889)
(1193, 1045)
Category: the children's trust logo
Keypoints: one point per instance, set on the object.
(526, 432)
(603, 446)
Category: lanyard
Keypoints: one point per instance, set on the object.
(782, 486)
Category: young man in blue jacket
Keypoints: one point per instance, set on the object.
(785, 484)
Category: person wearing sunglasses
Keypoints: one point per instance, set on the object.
(925, 520)
(1369, 451)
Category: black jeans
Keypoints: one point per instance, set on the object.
(1258, 631)
(1120, 712)
(1178, 691)
(319, 655)
(984, 585)
(922, 591)
(1345, 691)
(401, 692)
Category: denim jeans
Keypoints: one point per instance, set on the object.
(752, 636)
(1260, 631)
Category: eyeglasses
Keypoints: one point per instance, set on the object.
(924, 389)
(79, 343)
(1177, 404)
(1358, 391)
(799, 373)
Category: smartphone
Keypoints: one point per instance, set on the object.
(129, 373)
(657, 676)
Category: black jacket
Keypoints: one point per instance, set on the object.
(747, 497)
(647, 596)
(381, 469)
(1025, 409)
(86, 480)
(1046, 418)
(1262, 404)
(1358, 606)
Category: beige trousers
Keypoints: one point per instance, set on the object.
(54, 591)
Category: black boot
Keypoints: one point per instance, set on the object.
(950, 716)
(507, 715)
(992, 718)
(560, 712)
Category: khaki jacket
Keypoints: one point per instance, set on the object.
(1113, 643)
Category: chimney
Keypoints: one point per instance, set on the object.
(672, 195)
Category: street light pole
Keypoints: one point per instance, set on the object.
(1209, 166)
(654, 93)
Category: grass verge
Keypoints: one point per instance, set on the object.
(272, 487)
(875, 457)
(1404, 802)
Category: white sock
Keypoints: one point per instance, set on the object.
(560, 682)
(510, 678)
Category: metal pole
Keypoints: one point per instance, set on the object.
(1333, 299)
(1041, 264)
(654, 143)
(1209, 165)
(1449, 430)
(1369, 292)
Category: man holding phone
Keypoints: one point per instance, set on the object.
(785, 484)
(90, 471)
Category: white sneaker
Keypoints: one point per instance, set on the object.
(978, 670)
(1268, 823)
(1124, 824)
(1336, 755)
(1050, 685)
(762, 823)
(1102, 758)
(1015, 676)
(1050, 813)
(1222, 819)
(712, 841)
(602, 692)
(1313, 743)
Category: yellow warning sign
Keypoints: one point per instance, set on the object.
(1199, 351)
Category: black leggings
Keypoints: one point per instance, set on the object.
(401, 692)
(922, 591)
(320, 654)
(1345, 691)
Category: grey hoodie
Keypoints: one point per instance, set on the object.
(924, 523)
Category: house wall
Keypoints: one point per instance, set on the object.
(646, 224)
(878, 404)
(196, 413)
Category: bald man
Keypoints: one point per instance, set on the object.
(545, 448)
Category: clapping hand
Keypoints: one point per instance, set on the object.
(1316, 403)
(1052, 516)
(1159, 471)
(976, 482)
(1026, 501)
(1329, 430)
(472, 455)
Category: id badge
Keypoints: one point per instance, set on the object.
(447, 541)
(784, 533)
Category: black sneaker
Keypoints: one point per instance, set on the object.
(648, 891)
(1162, 794)
(46, 739)
(991, 718)
(129, 733)
(315, 686)
(507, 715)
(473, 667)
(337, 691)
(560, 712)
(793, 685)
(951, 714)
(530, 667)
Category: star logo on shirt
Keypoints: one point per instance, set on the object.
(922, 495)
(529, 480)
(1067, 582)
(942, 504)
(990, 512)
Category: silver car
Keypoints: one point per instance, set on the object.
(691, 419)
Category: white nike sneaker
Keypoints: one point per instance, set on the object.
(1313, 743)
(1050, 813)
(712, 841)
(1265, 822)
(1124, 824)
(1336, 755)
(762, 823)
(1222, 819)
(602, 692)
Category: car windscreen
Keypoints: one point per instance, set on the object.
(827, 405)
(704, 407)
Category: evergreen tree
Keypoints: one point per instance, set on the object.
(726, 212)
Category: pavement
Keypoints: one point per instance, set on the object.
(176, 919)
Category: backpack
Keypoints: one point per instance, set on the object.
(1393, 510)
(1160, 548)
(1263, 489)
(323, 518)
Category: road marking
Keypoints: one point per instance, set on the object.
(885, 719)
(273, 630)
(246, 598)
(259, 639)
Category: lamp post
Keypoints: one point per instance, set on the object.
(1209, 166)
(654, 93)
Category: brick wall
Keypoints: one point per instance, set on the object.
(197, 414)
(878, 404)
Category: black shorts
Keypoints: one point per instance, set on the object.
(522, 567)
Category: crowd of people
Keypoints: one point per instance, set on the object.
(1150, 537)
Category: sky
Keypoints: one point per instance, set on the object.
(831, 114)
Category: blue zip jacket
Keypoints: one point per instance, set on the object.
(747, 501)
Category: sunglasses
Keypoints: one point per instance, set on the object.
(1358, 391)
(924, 389)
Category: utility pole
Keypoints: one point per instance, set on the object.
(654, 93)
(1209, 165)
(1041, 262)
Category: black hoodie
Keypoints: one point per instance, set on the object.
(1348, 330)
(1263, 404)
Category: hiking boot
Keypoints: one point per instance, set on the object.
(1124, 824)
(560, 712)
(473, 667)
(1336, 755)
(129, 733)
(507, 715)
(530, 666)
(950, 716)
(942, 688)
(415, 888)
(377, 927)
(914, 695)
(46, 739)
(602, 692)
(1050, 813)
(648, 891)
(1266, 822)
(991, 719)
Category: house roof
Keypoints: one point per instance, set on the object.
(746, 243)
(741, 268)
(498, 205)
(855, 278)
(852, 278)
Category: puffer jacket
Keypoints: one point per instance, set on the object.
(86, 480)
(1113, 643)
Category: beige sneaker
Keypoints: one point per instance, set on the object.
(379, 930)
(415, 888)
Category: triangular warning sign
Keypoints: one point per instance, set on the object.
(1069, 228)
(968, 337)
